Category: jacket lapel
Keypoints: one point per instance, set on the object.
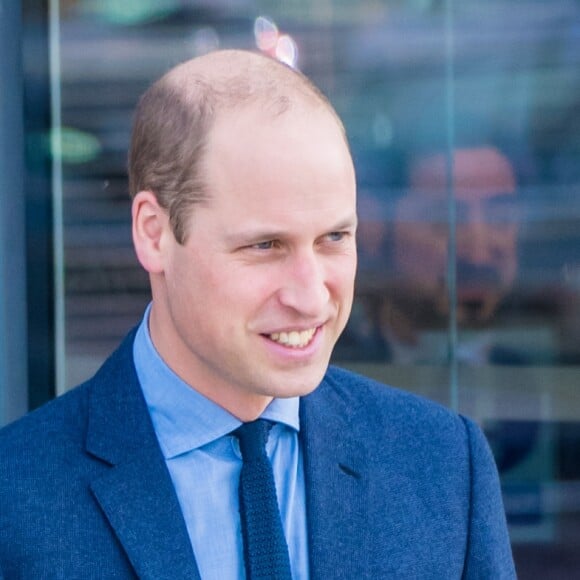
(136, 493)
(337, 487)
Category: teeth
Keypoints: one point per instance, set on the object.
(293, 338)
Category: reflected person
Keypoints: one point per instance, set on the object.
(484, 192)
(485, 203)
(244, 218)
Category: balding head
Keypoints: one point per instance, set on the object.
(232, 78)
(175, 116)
(478, 171)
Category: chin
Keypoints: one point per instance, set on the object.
(301, 386)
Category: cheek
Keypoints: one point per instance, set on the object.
(341, 278)
(242, 292)
(505, 245)
(510, 237)
(196, 288)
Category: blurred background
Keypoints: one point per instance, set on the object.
(464, 123)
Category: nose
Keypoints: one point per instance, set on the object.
(475, 243)
(304, 286)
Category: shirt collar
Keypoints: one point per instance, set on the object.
(183, 418)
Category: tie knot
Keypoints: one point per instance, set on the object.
(253, 437)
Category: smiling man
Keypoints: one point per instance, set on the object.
(248, 305)
(216, 442)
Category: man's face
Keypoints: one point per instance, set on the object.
(486, 232)
(250, 307)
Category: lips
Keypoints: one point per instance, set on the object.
(293, 338)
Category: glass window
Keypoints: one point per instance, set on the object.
(464, 121)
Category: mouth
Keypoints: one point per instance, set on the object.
(293, 338)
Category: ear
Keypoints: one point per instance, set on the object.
(150, 224)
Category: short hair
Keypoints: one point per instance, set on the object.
(174, 117)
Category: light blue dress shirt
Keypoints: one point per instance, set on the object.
(204, 462)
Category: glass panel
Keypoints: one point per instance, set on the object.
(516, 186)
(13, 337)
(397, 80)
(464, 125)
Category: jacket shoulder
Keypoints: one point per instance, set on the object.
(62, 418)
(382, 403)
(426, 473)
(62, 422)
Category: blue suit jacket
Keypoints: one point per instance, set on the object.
(397, 487)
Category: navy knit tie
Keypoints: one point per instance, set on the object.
(265, 548)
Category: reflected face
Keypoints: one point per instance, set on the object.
(250, 307)
(486, 232)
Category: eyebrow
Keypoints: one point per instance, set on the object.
(258, 233)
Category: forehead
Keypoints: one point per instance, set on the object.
(257, 144)
(293, 168)
(260, 114)
(478, 174)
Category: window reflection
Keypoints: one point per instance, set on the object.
(471, 193)
(510, 276)
(482, 183)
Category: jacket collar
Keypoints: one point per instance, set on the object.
(336, 474)
(136, 493)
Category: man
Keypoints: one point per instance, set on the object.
(484, 188)
(244, 216)
(485, 254)
(407, 304)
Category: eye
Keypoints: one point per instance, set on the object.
(266, 245)
(336, 236)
